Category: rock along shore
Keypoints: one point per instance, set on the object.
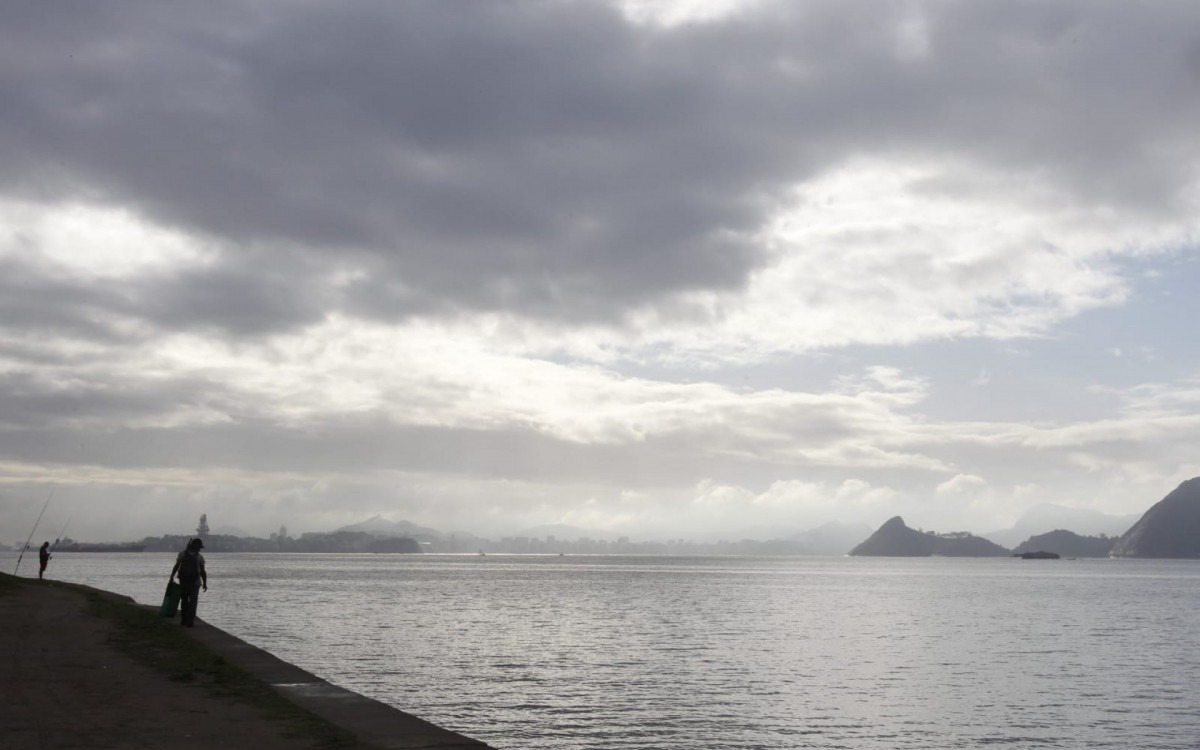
(67, 682)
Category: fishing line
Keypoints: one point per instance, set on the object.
(33, 531)
(58, 538)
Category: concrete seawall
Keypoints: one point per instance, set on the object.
(68, 680)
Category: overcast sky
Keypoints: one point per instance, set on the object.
(660, 268)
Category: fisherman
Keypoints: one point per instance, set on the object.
(192, 575)
(43, 558)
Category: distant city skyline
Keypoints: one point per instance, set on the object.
(654, 267)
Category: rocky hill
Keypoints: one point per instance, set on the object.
(1047, 517)
(382, 527)
(1171, 528)
(895, 539)
(1067, 544)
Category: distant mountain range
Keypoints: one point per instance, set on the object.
(1171, 528)
(382, 527)
(1046, 517)
(833, 538)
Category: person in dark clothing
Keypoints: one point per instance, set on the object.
(192, 576)
(43, 558)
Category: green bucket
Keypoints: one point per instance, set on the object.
(170, 604)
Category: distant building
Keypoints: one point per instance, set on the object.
(202, 529)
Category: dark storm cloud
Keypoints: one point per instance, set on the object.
(250, 294)
(551, 158)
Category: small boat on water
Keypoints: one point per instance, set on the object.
(1038, 556)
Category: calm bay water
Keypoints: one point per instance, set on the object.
(617, 653)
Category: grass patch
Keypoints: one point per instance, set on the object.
(159, 643)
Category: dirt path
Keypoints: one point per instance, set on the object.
(65, 682)
(62, 685)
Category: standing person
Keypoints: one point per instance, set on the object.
(43, 558)
(190, 566)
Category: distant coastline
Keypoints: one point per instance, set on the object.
(332, 542)
(100, 547)
(1170, 528)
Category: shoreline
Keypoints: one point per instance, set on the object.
(371, 721)
(63, 666)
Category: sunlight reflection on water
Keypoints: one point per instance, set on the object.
(618, 653)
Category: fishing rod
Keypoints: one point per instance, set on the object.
(58, 538)
(33, 531)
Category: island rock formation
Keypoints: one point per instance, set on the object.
(895, 539)
(1067, 544)
(1171, 528)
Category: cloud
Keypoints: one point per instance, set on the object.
(961, 483)
(374, 397)
(557, 162)
(509, 259)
